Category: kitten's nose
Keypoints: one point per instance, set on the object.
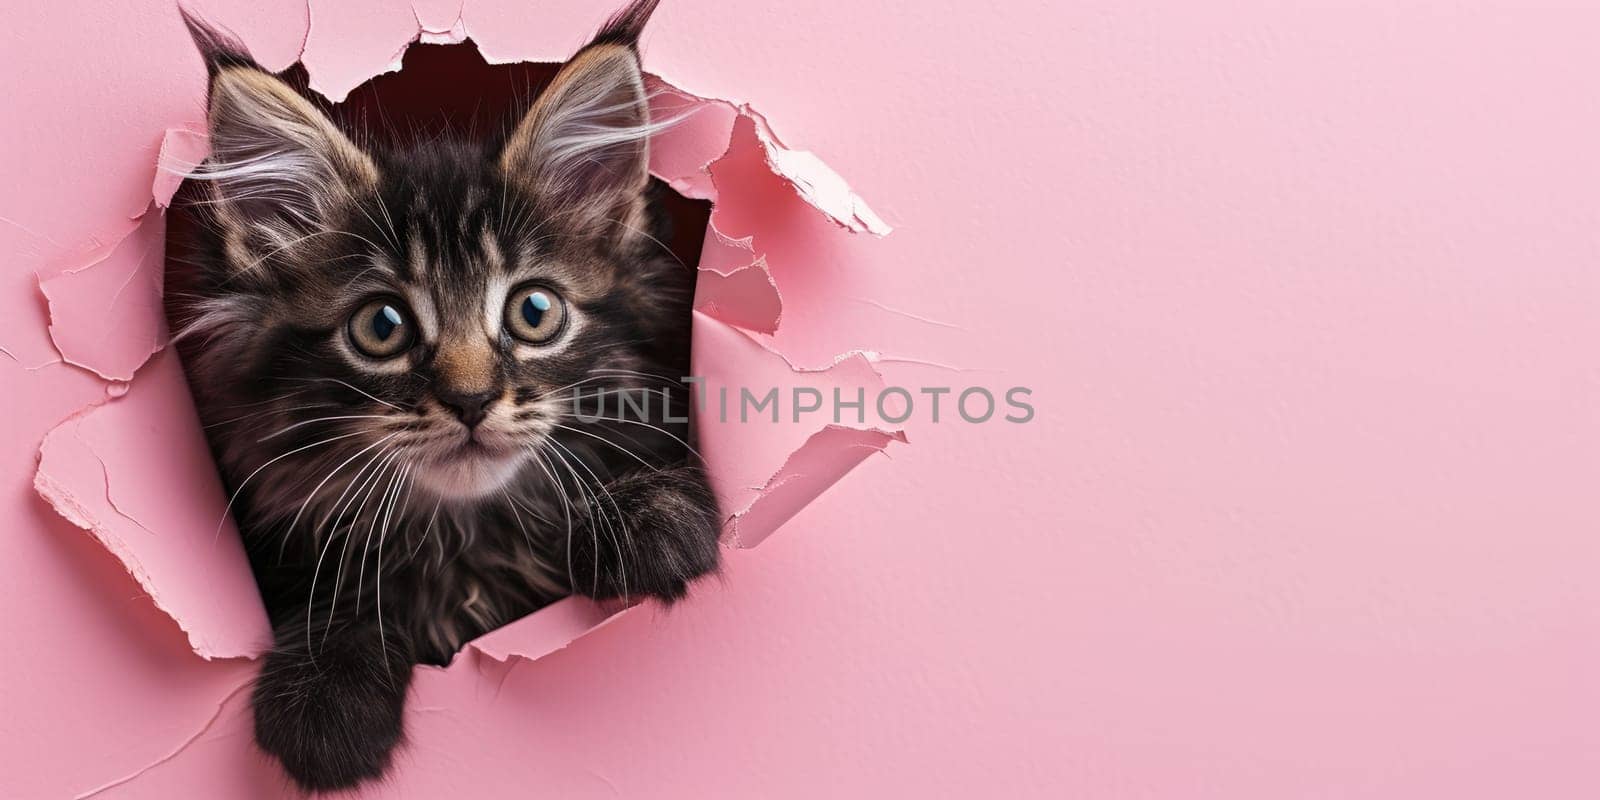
(470, 408)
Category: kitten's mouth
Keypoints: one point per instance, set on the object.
(469, 470)
(476, 447)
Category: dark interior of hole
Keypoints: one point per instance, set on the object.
(441, 90)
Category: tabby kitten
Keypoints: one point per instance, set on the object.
(385, 347)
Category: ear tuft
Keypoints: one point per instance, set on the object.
(279, 168)
(625, 26)
(583, 150)
(219, 48)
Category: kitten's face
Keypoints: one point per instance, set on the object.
(458, 350)
(431, 311)
(466, 366)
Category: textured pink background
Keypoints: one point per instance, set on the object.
(1308, 301)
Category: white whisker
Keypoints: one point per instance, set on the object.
(313, 493)
(621, 518)
(367, 394)
(229, 508)
(371, 486)
(566, 509)
(659, 430)
(635, 456)
(377, 575)
(304, 423)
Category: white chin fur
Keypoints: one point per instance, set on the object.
(467, 476)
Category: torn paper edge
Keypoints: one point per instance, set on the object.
(66, 504)
(871, 440)
(816, 182)
(55, 297)
(731, 294)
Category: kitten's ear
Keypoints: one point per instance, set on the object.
(582, 152)
(280, 166)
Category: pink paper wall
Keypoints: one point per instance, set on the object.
(1307, 299)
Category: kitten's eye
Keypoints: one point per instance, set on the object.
(382, 329)
(535, 314)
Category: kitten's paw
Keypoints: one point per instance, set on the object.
(331, 728)
(654, 534)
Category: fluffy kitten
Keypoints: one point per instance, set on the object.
(384, 347)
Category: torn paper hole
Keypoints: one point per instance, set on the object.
(114, 468)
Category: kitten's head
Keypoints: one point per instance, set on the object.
(433, 307)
